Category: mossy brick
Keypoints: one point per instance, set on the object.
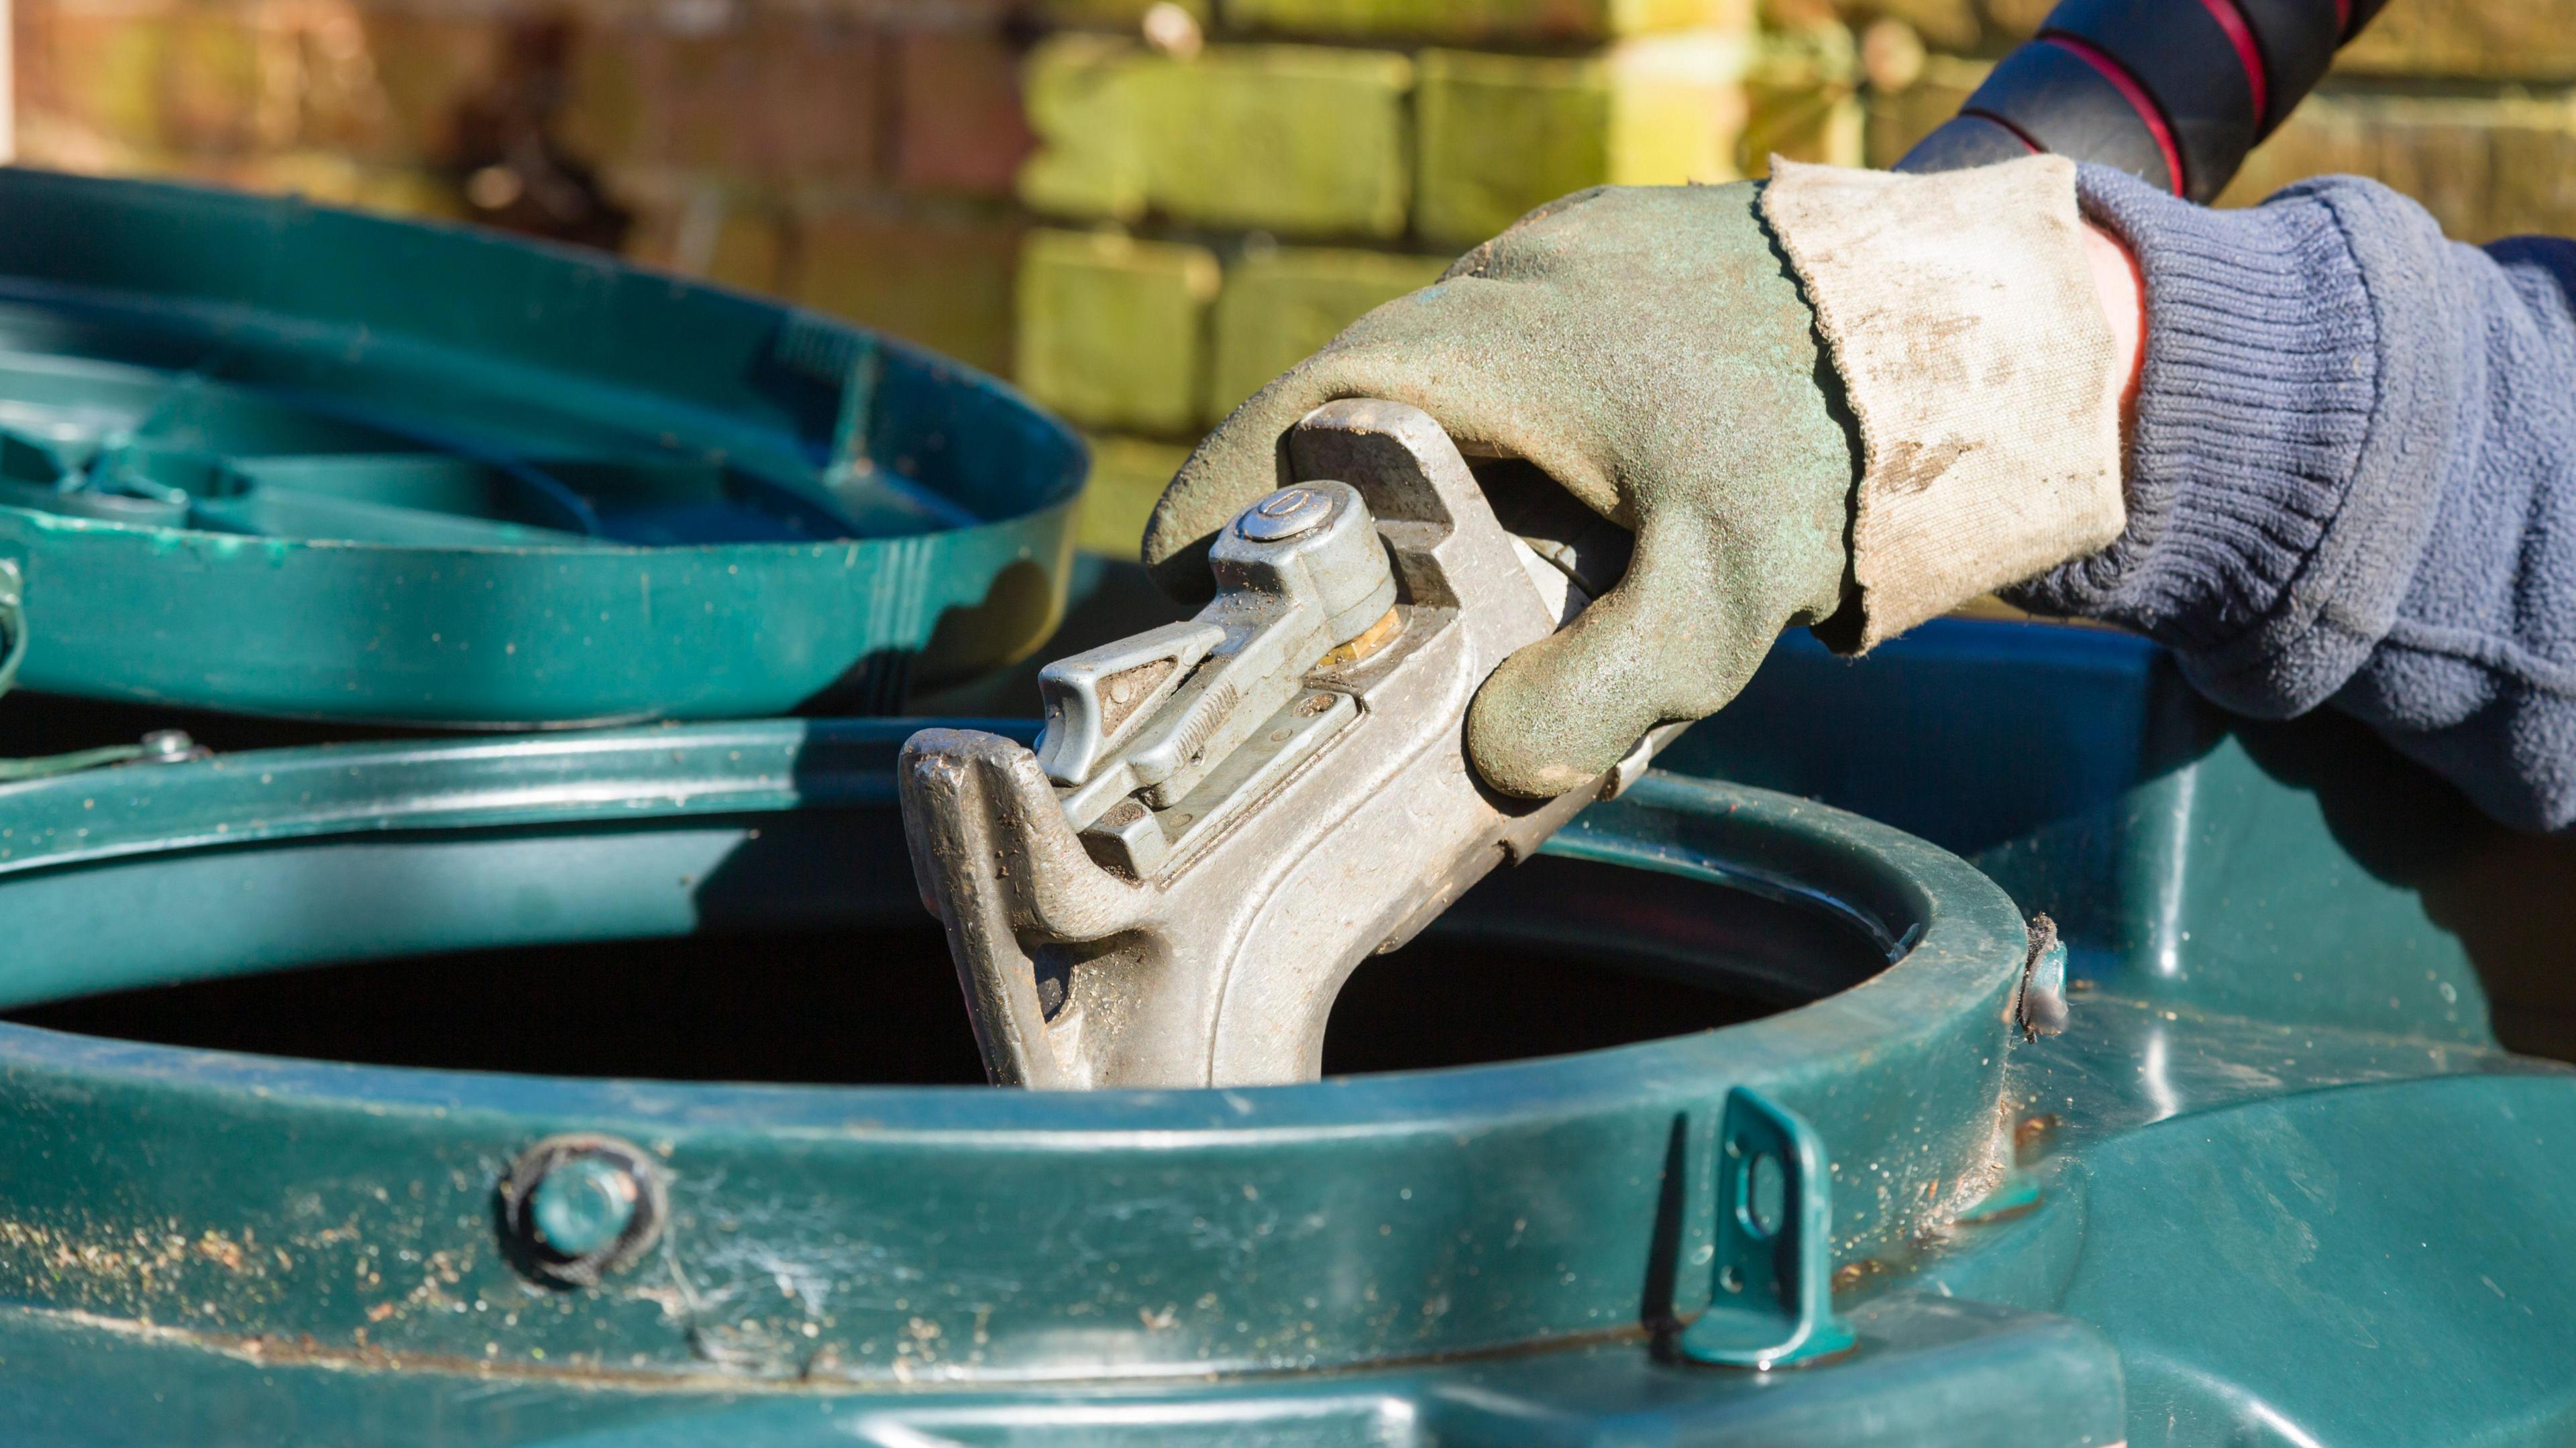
(157, 76)
(958, 123)
(1128, 475)
(780, 95)
(1126, 15)
(816, 102)
(87, 76)
(2438, 154)
(185, 77)
(1501, 134)
(421, 69)
(2535, 175)
(383, 86)
(938, 275)
(1298, 139)
(1802, 100)
(1960, 27)
(1303, 140)
(1944, 24)
(1090, 104)
(1113, 331)
(2483, 166)
(2472, 39)
(203, 79)
(2011, 20)
(602, 115)
(796, 96)
(1488, 22)
(751, 252)
(212, 82)
(740, 241)
(1281, 304)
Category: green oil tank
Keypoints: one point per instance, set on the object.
(611, 1087)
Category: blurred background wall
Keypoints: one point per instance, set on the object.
(1142, 211)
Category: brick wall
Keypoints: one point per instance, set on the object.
(1217, 194)
(1142, 211)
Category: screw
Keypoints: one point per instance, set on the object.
(576, 1208)
(583, 1206)
(1284, 514)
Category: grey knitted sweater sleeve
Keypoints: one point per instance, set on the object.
(2353, 479)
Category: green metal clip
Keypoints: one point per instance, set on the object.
(1773, 1303)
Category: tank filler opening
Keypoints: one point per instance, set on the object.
(1555, 957)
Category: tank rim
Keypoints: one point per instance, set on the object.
(1562, 1182)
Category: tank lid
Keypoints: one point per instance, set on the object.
(270, 458)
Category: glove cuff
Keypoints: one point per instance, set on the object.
(1960, 312)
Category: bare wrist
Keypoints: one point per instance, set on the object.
(2122, 290)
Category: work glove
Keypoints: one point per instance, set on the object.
(1647, 348)
(1841, 398)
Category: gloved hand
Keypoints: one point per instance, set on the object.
(1649, 349)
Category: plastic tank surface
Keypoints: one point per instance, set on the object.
(2183, 1210)
(270, 458)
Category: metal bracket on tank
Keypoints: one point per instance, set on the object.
(1225, 816)
(1773, 1304)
